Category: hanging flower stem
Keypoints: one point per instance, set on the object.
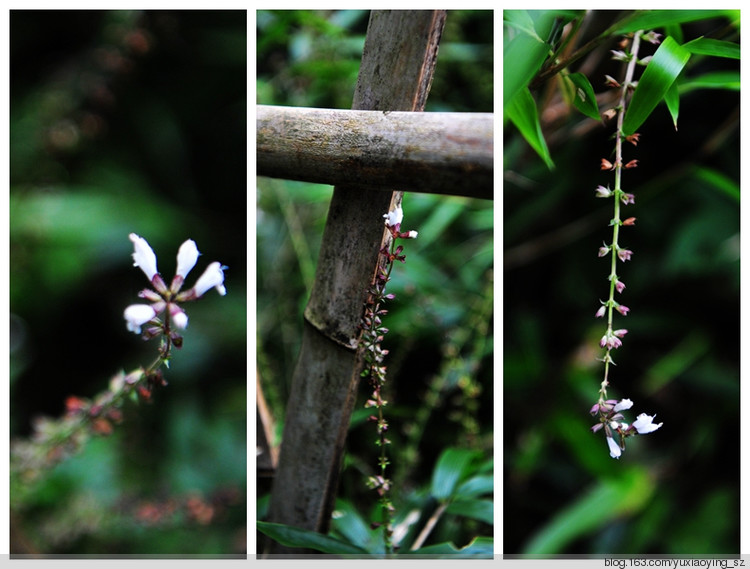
(373, 332)
(609, 410)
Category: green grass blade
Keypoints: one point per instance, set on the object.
(661, 72)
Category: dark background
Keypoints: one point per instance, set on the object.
(677, 490)
(128, 121)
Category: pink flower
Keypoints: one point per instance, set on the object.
(602, 192)
(622, 309)
(624, 254)
(601, 311)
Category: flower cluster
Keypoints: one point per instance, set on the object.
(610, 419)
(373, 332)
(165, 299)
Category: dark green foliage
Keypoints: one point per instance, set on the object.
(126, 122)
(563, 493)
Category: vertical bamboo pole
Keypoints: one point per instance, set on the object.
(398, 61)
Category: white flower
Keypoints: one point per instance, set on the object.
(623, 404)
(187, 256)
(614, 449)
(137, 315)
(179, 318)
(395, 217)
(413, 234)
(143, 256)
(644, 424)
(212, 277)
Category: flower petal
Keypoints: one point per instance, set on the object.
(136, 315)
(212, 277)
(143, 256)
(187, 256)
(614, 449)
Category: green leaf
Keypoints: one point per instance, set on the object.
(672, 99)
(584, 97)
(476, 486)
(608, 500)
(522, 58)
(479, 547)
(482, 510)
(729, 80)
(451, 467)
(715, 48)
(660, 74)
(522, 21)
(523, 114)
(307, 539)
(651, 19)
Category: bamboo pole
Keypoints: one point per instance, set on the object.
(397, 65)
(438, 153)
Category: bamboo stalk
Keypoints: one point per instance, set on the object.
(438, 153)
(397, 65)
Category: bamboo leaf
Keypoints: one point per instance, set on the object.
(307, 539)
(479, 547)
(522, 58)
(651, 19)
(660, 74)
(672, 99)
(451, 467)
(522, 112)
(482, 510)
(584, 97)
(608, 500)
(729, 80)
(712, 47)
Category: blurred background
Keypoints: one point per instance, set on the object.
(440, 374)
(677, 490)
(129, 121)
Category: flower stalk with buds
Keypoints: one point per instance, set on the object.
(609, 410)
(55, 439)
(373, 332)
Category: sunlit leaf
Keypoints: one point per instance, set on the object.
(660, 74)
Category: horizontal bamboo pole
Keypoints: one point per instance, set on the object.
(437, 153)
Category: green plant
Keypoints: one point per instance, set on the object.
(569, 75)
